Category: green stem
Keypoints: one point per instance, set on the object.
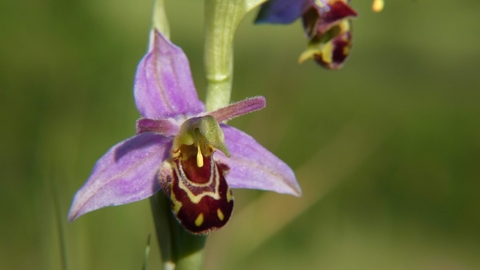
(220, 26)
(222, 18)
(180, 250)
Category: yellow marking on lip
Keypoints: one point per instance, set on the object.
(229, 195)
(196, 198)
(177, 205)
(220, 214)
(199, 220)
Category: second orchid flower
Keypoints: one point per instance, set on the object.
(327, 24)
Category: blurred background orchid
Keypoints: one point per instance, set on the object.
(386, 149)
(327, 24)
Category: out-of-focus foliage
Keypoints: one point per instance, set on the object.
(387, 149)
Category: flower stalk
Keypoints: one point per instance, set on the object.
(222, 18)
(180, 250)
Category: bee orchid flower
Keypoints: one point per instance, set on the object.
(181, 149)
(327, 24)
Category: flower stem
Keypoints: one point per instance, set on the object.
(179, 249)
(222, 18)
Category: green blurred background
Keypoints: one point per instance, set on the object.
(387, 149)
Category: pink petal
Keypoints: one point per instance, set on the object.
(239, 108)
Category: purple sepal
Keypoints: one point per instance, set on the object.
(282, 11)
(128, 172)
(254, 167)
(163, 83)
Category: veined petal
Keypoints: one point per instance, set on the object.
(128, 172)
(163, 83)
(282, 11)
(254, 167)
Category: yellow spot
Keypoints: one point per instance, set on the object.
(327, 53)
(176, 204)
(307, 54)
(199, 220)
(199, 157)
(229, 195)
(378, 5)
(220, 214)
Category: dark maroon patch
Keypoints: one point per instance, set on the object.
(195, 174)
(341, 44)
(216, 212)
